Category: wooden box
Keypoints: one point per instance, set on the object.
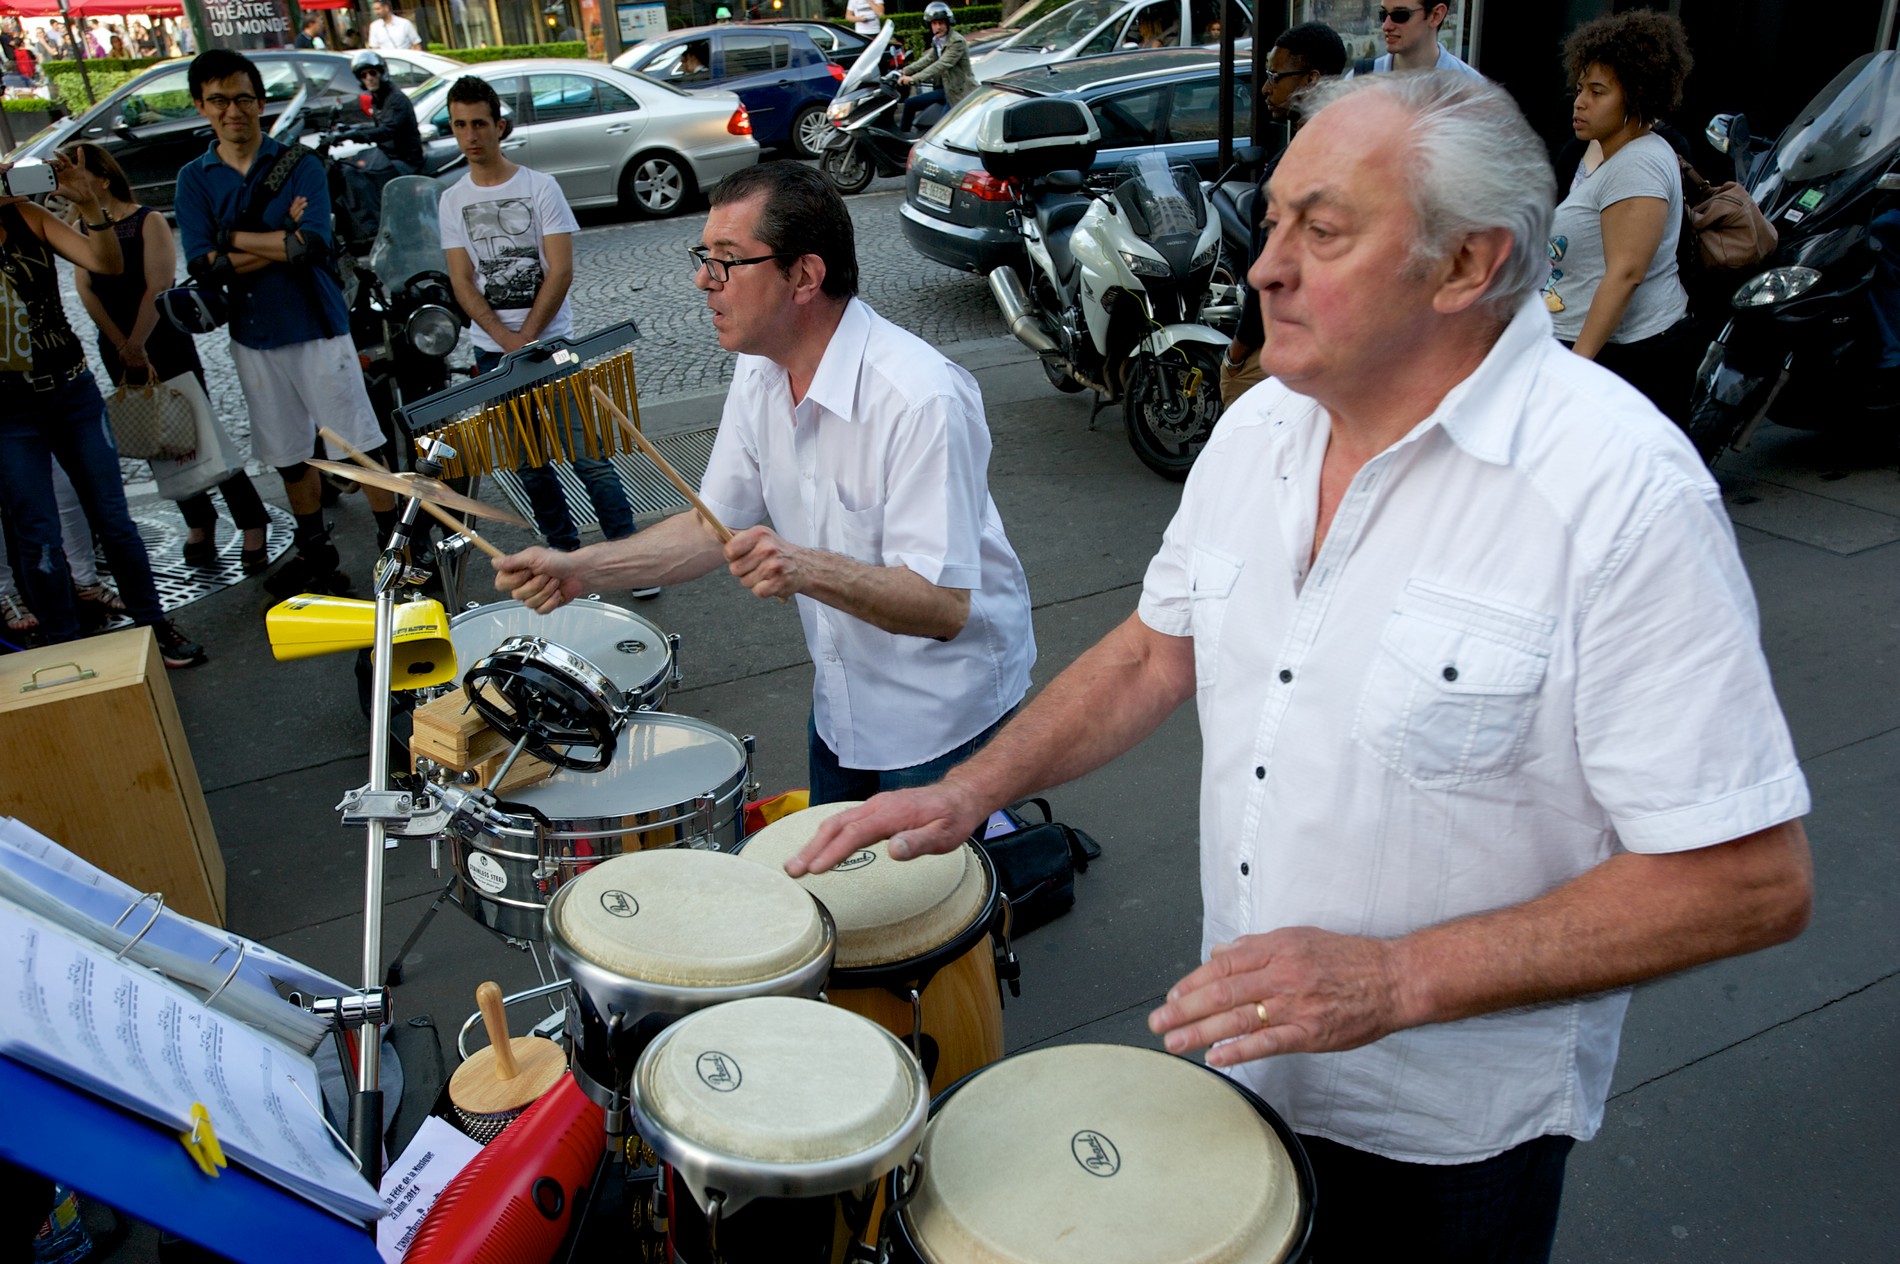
(100, 765)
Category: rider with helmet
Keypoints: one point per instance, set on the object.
(945, 64)
(392, 129)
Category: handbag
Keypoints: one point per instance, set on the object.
(212, 458)
(153, 420)
(1729, 229)
(1036, 863)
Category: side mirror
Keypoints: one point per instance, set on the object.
(1718, 132)
(1249, 156)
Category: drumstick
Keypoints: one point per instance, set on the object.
(441, 515)
(653, 454)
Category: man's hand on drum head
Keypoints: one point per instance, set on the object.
(540, 579)
(923, 822)
(1294, 990)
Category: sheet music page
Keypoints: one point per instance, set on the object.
(69, 1008)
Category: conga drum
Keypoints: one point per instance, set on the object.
(917, 942)
(1103, 1154)
(775, 1118)
(648, 937)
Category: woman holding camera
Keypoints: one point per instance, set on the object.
(51, 409)
(133, 339)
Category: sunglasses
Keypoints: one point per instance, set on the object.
(1399, 17)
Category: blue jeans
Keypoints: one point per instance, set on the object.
(916, 103)
(1884, 294)
(831, 782)
(550, 506)
(1501, 1210)
(67, 424)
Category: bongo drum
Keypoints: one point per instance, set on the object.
(646, 938)
(1103, 1154)
(775, 1118)
(917, 942)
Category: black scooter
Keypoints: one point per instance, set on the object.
(1800, 336)
(865, 141)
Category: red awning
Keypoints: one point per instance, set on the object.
(92, 8)
(307, 5)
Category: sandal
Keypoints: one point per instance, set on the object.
(97, 603)
(19, 619)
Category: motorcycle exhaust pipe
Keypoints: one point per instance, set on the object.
(1014, 302)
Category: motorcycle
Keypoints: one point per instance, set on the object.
(1800, 334)
(865, 141)
(1119, 266)
(406, 322)
(1236, 203)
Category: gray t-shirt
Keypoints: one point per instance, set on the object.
(1646, 167)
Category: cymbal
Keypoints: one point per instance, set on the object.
(433, 490)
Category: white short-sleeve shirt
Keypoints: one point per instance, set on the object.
(886, 460)
(503, 227)
(397, 33)
(1527, 642)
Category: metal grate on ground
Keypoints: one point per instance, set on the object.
(178, 584)
(647, 490)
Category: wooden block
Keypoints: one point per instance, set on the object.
(95, 758)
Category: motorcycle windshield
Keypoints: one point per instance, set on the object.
(1853, 121)
(289, 124)
(1164, 206)
(409, 240)
(864, 69)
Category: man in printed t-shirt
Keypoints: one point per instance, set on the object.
(509, 238)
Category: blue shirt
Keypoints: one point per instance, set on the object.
(284, 304)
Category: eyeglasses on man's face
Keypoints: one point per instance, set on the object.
(1399, 17)
(243, 101)
(721, 269)
(1272, 77)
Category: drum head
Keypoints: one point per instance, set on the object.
(886, 910)
(660, 761)
(689, 919)
(779, 1096)
(1103, 1154)
(628, 650)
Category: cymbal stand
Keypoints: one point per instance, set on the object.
(377, 806)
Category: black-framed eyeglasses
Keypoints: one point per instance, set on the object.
(720, 269)
(1273, 77)
(1399, 17)
(243, 101)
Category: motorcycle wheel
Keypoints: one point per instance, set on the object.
(1167, 437)
(809, 131)
(1712, 426)
(846, 169)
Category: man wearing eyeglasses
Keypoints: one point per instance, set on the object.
(868, 451)
(254, 219)
(1411, 41)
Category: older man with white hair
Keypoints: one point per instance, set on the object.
(1488, 731)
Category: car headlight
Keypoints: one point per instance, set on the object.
(1142, 266)
(1206, 258)
(1777, 285)
(432, 330)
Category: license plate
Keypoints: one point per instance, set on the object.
(935, 194)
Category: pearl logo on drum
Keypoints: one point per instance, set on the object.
(1096, 1153)
(720, 1072)
(619, 903)
(856, 860)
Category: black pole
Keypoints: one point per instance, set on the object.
(1229, 20)
(79, 52)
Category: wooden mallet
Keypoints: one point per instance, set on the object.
(496, 1084)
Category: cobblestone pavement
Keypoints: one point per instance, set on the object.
(638, 269)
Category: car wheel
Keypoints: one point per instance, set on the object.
(809, 129)
(847, 170)
(656, 185)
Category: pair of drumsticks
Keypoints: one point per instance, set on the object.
(719, 529)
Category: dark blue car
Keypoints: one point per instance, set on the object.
(780, 74)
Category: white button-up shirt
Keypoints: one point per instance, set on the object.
(397, 33)
(885, 460)
(1527, 642)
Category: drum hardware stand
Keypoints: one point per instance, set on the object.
(1009, 971)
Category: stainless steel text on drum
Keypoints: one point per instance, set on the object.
(629, 650)
(674, 781)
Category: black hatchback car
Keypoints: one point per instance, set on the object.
(956, 213)
(151, 127)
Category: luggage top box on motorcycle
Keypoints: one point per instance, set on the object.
(1029, 139)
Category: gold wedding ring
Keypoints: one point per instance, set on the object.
(1260, 1012)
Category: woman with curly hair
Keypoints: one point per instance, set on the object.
(1614, 293)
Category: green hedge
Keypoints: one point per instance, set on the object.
(32, 105)
(72, 88)
(572, 48)
(120, 66)
(912, 31)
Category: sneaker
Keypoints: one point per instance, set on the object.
(177, 649)
(646, 594)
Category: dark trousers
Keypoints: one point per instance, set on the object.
(598, 476)
(1501, 1210)
(832, 782)
(1661, 367)
(916, 103)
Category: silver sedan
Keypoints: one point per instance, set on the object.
(606, 135)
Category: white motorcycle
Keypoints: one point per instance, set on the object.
(1119, 269)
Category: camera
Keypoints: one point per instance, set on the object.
(28, 179)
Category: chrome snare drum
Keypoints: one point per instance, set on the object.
(630, 651)
(647, 939)
(673, 781)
